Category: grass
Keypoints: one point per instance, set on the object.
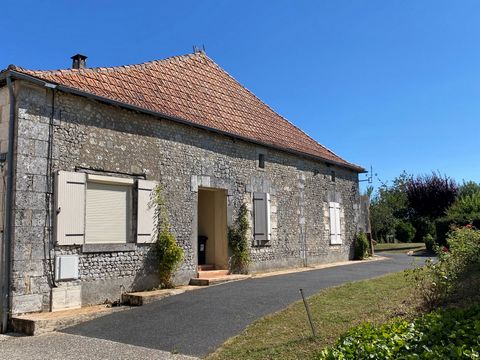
(399, 247)
(286, 334)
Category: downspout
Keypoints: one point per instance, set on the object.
(8, 228)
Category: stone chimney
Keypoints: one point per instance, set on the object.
(79, 61)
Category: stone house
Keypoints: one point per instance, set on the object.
(82, 149)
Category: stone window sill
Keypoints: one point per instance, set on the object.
(100, 248)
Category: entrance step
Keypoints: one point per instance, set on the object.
(211, 274)
(206, 281)
(206, 267)
(44, 322)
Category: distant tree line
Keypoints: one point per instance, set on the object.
(422, 208)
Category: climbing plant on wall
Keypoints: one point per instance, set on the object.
(169, 253)
(238, 241)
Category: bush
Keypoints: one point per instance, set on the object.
(429, 242)
(404, 232)
(450, 334)
(438, 280)
(169, 255)
(423, 227)
(361, 246)
(447, 223)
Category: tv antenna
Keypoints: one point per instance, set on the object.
(369, 175)
(199, 49)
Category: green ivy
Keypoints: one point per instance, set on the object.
(169, 253)
(238, 241)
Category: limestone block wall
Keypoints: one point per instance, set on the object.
(90, 135)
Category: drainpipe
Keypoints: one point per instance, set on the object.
(8, 228)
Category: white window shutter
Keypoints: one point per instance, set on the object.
(70, 208)
(333, 231)
(337, 224)
(146, 222)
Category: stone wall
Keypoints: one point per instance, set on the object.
(4, 120)
(89, 134)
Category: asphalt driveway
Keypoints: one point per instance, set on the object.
(197, 322)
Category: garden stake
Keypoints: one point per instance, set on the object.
(307, 308)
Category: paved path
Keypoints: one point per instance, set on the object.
(197, 322)
(58, 346)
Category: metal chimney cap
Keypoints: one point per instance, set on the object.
(79, 57)
(79, 61)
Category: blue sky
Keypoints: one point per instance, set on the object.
(392, 84)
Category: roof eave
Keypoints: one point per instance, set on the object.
(66, 89)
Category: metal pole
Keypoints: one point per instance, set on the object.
(307, 308)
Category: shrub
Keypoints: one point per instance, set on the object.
(429, 241)
(361, 246)
(447, 223)
(404, 232)
(169, 253)
(450, 334)
(238, 241)
(423, 227)
(439, 279)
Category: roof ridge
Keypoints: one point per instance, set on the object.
(268, 106)
(100, 69)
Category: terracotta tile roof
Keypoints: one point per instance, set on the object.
(193, 88)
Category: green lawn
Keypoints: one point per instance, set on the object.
(399, 247)
(286, 334)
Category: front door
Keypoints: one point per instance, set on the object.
(212, 228)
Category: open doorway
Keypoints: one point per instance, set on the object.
(212, 229)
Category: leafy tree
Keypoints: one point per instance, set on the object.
(431, 195)
(468, 188)
(404, 231)
(388, 206)
(466, 205)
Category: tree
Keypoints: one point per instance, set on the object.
(389, 206)
(469, 188)
(430, 196)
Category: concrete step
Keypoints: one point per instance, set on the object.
(212, 274)
(40, 323)
(217, 280)
(206, 267)
(145, 297)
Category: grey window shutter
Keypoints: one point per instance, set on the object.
(260, 226)
(70, 208)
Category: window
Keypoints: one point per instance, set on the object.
(108, 213)
(332, 176)
(261, 161)
(335, 231)
(94, 209)
(261, 218)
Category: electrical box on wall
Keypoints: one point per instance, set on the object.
(66, 267)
